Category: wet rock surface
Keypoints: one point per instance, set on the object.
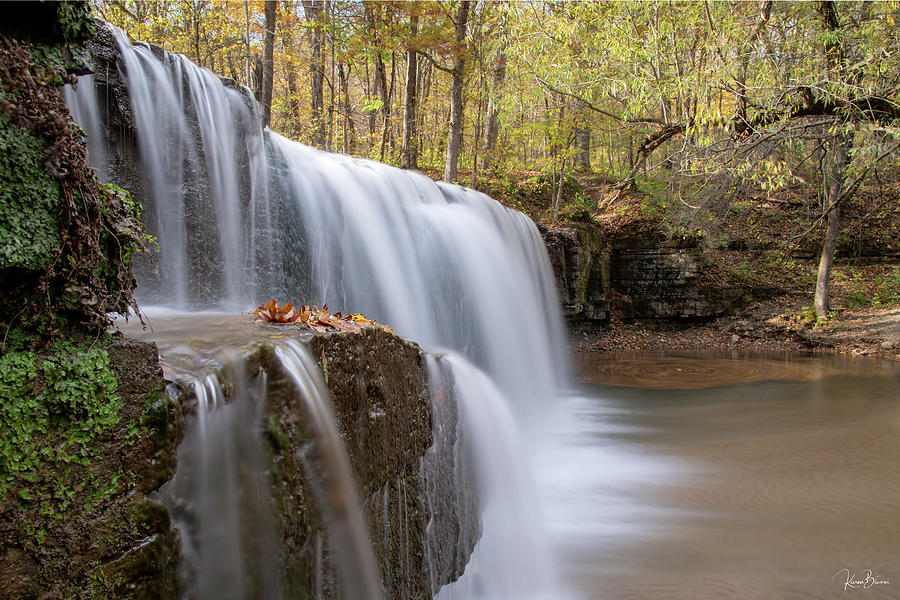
(401, 456)
(649, 278)
(120, 544)
(582, 273)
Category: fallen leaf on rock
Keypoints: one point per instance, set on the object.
(317, 319)
(270, 312)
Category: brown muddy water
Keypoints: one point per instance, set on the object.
(729, 477)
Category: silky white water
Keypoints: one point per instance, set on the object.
(337, 493)
(218, 498)
(243, 215)
(512, 559)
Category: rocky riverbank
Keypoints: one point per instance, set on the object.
(777, 325)
(629, 280)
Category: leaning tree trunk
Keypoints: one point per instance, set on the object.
(837, 159)
(454, 139)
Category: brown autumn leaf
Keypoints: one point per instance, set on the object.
(270, 312)
(317, 319)
(337, 322)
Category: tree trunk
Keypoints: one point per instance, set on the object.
(559, 189)
(329, 18)
(454, 138)
(270, 9)
(409, 153)
(349, 129)
(387, 140)
(197, 10)
(374, 19)
(313, 10)
(838, 158)
(248, 58)
(293, 100)
(257, 77)
(582, 139)
(492, 127)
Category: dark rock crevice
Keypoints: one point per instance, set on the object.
(633, 278)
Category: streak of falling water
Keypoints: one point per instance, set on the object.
(85, 109)
(219, 496)
(510, 561)
(333, 485)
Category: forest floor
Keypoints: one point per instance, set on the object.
(774, 325)
(767, 243)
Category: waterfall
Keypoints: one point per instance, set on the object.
(334, 488)
(85, 108)
(219, 497)
(204, 171)
(510, 560)
(243, 214)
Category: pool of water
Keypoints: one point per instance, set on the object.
(727, 476)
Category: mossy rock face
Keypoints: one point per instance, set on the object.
(378, 384)
(579, 258)
(29, 200)
(66, 241)
(78, 512)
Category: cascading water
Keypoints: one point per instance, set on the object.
(83, 104)
(336, 491)
(219, 498)
(510, 560)
(242, 214)
(204, 172)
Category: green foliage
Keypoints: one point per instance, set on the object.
(76, 21)
(29, 200)
(52, 63)
(56, 406)
(66, 241)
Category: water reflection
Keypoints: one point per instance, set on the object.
(686, 371)
(765, 486)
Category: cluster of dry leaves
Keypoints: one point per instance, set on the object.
(317, 319)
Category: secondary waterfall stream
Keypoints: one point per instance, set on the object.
(242, 214)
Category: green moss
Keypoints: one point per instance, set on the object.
(56, 406)
(29, 200)
(75, 20)
(66, 241)
(51, 64)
